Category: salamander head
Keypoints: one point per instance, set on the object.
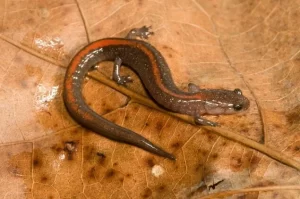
(219, 102)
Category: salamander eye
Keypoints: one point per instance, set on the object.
(238, 91)
(238, 107)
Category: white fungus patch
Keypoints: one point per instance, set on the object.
(157, 170)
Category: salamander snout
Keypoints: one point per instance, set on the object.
(240, 102)
(220, 102)
(238, 106)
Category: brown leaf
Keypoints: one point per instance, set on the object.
(251, 45)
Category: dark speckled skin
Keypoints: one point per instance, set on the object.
(154, 72)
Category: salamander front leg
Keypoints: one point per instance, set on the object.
(116, 73)
(143, 33)
(201, 121)
(193, 88)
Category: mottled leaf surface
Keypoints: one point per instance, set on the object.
(248, 44)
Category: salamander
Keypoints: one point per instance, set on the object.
(151, 67)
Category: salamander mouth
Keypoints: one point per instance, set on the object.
(225, 110)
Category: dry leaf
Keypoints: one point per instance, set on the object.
(252, 45)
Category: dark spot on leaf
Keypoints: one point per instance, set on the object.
(242, 125)
(106, 110)
(135, 108)
(36, 163)
(224, 143)
(204, 152)
(38, 159)
(199, 167)
(44, 179)
(176, 145)
(166, 47)
(115, 164)
(110, 173)
(146, 193)
(159, 126)
(235, 163)
(297, 148)
(245, 130)
(215, 156)
(211, 138)
(70, 148)
(101, 157)
(277, 126)
(170, 55)
(168, 125)
(262, 138)
(146, 124)
(251, 123)
(294, 116)
(75, 131)
(128, 175)
(56, 148)
(89, 153)
(126, 117)
(91, 173)
(150, 162)
(140, 3)
(254, 161)
(30, 21)
(161, 188)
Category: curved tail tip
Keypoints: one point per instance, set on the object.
(171, 157)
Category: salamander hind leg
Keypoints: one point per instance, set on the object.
(193, 88)
(202, 121)
(116, 73)
(143, 33)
